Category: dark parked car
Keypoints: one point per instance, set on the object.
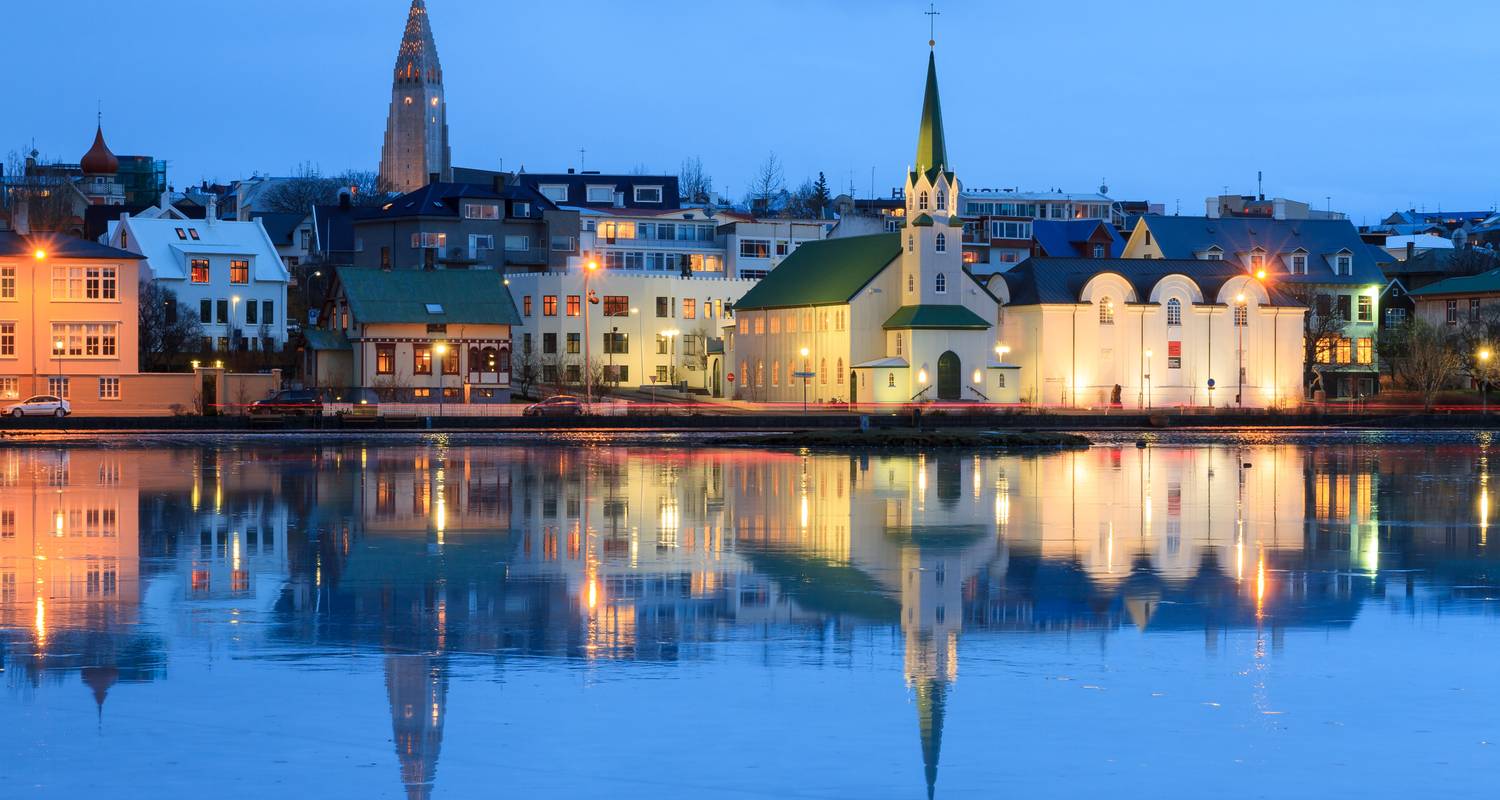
(292, 402)
(559, 405)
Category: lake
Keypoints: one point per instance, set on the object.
(1265, 615)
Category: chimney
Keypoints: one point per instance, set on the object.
(1411, 249)
(166, 200)
(241, 210)
(211, 214)
(432, 177)
(570, 170)
(344, 201)
(499, 183)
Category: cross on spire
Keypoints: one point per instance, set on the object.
(932, 15)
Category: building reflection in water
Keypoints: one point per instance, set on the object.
(425, 554)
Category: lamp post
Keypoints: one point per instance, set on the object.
(57, 352)
(234, 304)
(1146, 374)
(588, 378)
(671, 334)
(1239, 355)
(805, 370)
(1484, 379)
(640, 338)
(440, 350)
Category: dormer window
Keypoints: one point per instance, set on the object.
(484, 210)
(940, 244)
(1343, 264)
(1299, 263)
(941, 284)
(922, 202)
(1257, 260)
(1214, 253)
(942, 201)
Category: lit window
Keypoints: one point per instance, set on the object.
(549, 305)
(1174, 312)
(200, 270)
(7, 283)
(239, 271)
(1241, 315)
(1106, 311)
(109, 388)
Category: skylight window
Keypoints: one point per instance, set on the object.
(181, 234)
(434, 308)
(193, 232)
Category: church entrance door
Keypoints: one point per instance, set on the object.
(949, 377)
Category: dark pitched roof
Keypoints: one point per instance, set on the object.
(444, 200)
(1483, 283)
(96, 219)
(1447, 261)
(59, 246)
(947, 317)
(932, 147)
(319, 339)
(456, 296)
(1061, 280)
(1061, 238)
(281, 226)
(824, 272)
(1185, 237)
(577, 183)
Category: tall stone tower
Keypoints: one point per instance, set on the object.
(416, 131)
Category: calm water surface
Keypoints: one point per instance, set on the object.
(1254, 617)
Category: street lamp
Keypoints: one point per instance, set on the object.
(805, 371)
(1484, 378)
(1146, 374)
(234, 304)
(57, 353)
(671, 335)
(440, 350)
(588, 378)
(1239, 329)
(640, 339)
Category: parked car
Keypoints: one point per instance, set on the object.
(42, 405)
(292, 402)
(558, 405)
(363, 402)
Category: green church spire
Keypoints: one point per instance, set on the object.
(932, 150)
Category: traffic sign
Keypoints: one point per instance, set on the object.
(804, 374)
(1210, 383)
(729, 377)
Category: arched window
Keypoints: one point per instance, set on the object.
(760, 373)
(911, 243)
(922, 202)
(745, 372)
(941, 243)
(898, 343)
(504, 360)
(942, 200)
(890, 380)
(474, 361)
(1106, 311)
(839, 373)
(941, 283)
(823, 372)
(1241, 315)
(911, 283)
(491, 359)
(1174, 312)
(775, 373)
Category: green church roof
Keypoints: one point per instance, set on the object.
(932, 149)
(936, 316)
(922, 221)
(824, 272)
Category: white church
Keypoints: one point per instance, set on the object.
(883, 318)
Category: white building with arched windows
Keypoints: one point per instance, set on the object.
(1149, 333)
(883, 318)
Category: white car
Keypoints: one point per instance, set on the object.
(42, 405)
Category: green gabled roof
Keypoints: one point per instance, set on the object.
(319, 339)
(932, 148)
(458, 297)
(955, 222)
(1483, 282)
(921, 221)
(936, 316)
(823, 273)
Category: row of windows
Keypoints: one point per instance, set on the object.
(659, 261)
(653, 231)
(256, 312)
(1451, 311)
(618, 305)
(939, 244)
(776, 374)
(481, 359)
(85, 339)
(599, 193)
(239, 270)
(1339, 349)
(788, 321)
(60, 387)
(82, 283)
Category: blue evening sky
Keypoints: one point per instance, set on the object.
(1376, 104)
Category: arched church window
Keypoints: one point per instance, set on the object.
(941, 243)
(942, 200)
(911, 243)
(899, 343)
(1174, 312)
(911, 283)
(922, 202)
(941, 283)
(890, 380)
(1106, 311)
(823, 371)
(838, 373)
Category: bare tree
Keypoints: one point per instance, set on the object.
(768, 186)
(524, 371)
(1431, 361)
(308, 187)
(53, 203)
(1322, 326)
(167, 328)
(694, 185)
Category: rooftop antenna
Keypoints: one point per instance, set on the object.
(1260, 190)
(872, 183)
(1328, 203)
(581, 153)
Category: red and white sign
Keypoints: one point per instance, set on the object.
(729, 377)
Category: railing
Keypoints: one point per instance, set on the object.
(982, 395)
(603, 408)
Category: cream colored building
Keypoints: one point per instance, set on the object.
(68, 323)
(1149, 333)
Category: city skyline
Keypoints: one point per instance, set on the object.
(1138, 123)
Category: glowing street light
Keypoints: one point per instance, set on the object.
(805, 373)
(588, 374)
(440, 350)
(1484, 378)
(39, 254)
